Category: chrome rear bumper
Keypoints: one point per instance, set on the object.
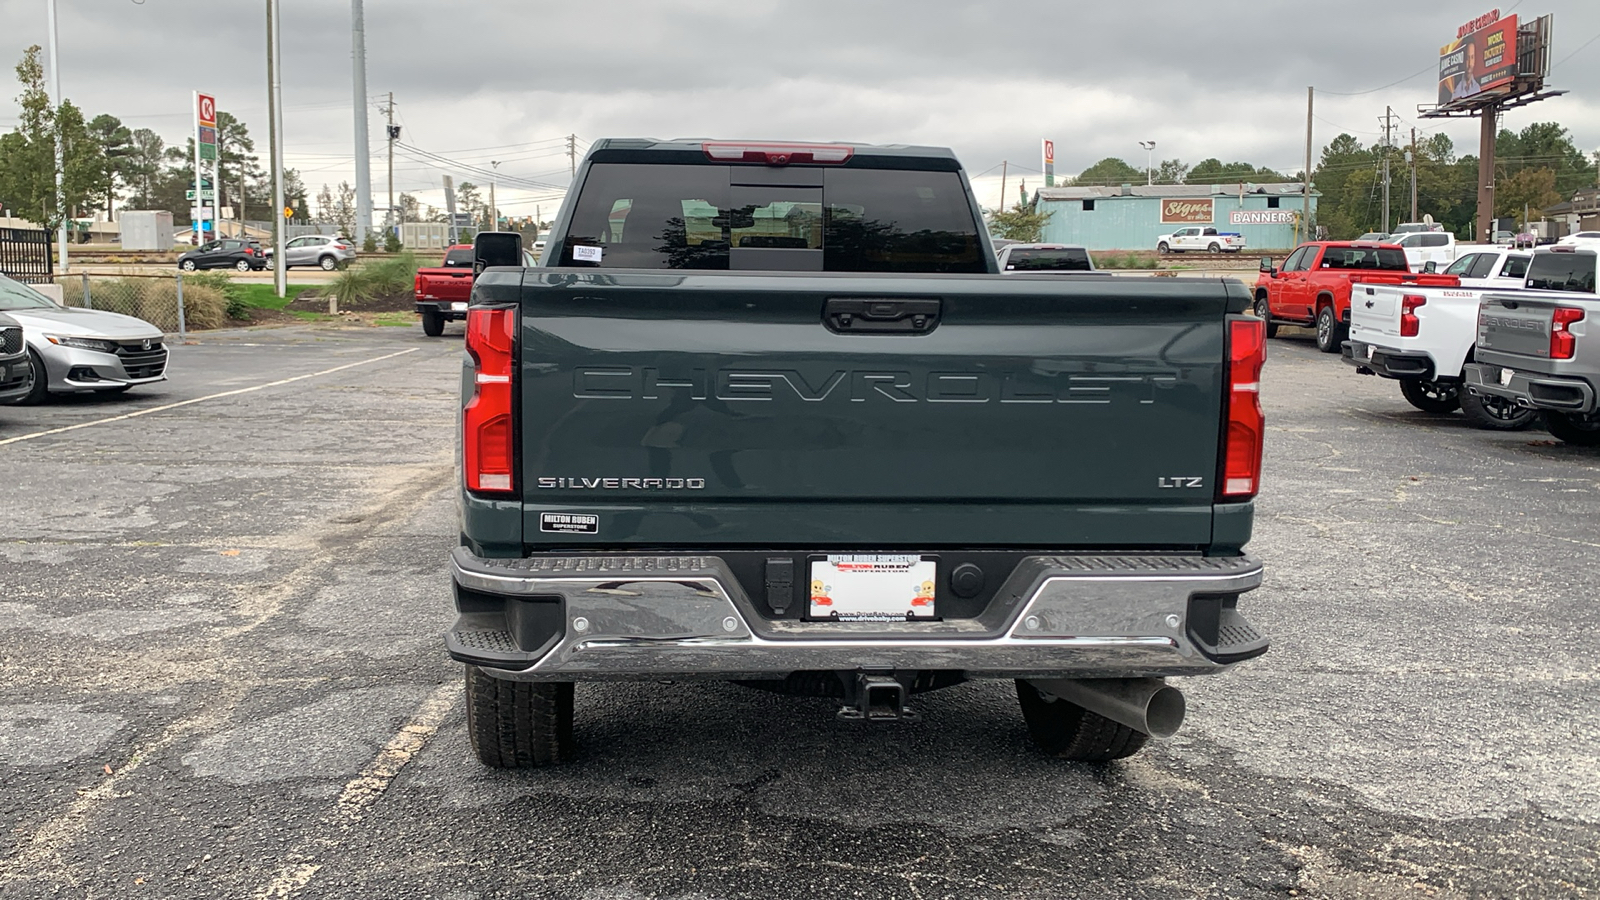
(577, 618)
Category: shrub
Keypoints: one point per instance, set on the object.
(155, 300)
(369, 244)
(378, 278)
(222, 282)
(391, 242)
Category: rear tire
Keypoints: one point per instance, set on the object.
(518, 724)
(327, 264)
(432, 322)
(1330, 331)
(1581, 430)
(1213, 248)
(1264, 313)
(1431, 396)
(243, 265)
(1496, 413)
(1068, 731)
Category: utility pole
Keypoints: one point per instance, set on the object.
(358, 40)
(1388, 117)
(494, 210)
(275, 137)
(1412, 158)
(1305, 213)
(391, 219)
(55, 88)
(1004, 165)
(572, 153)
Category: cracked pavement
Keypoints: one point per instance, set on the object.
(221, 675)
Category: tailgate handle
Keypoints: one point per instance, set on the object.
(870, 315)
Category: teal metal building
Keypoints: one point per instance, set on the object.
(1131, 217)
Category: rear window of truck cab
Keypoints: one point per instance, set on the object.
(461, 258)
(643, 216)
(1562, 272)
(1066, 260)
(1379, 258)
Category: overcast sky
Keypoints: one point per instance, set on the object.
(509, 79)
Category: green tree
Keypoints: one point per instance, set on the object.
(1215, 171)
(1110, 171)
(1171, 171)
(116, 144)
(1526, 194)
(1019, 223)
(142, 168)
(27, 155)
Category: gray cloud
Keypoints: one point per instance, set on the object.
(1221, 79)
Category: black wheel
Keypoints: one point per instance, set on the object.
(518, 724)
(41, 382)
(242, 265)
(1213, 248)
(1163, 248)
(1330, 331)
(1264, 313)
(188, 265)
(1496, 413)
(1582, 430)
(328, 263)
(1068, 731)
(432, 322)
(1432, 396)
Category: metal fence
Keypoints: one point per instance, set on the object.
(25, 255)
(174, 303)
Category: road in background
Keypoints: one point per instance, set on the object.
(221, 675)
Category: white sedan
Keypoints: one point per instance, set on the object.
(78, 350)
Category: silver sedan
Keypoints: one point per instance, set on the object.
(75, 350)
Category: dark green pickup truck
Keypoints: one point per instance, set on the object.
(769, 414)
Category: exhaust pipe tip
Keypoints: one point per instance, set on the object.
(1163, 715)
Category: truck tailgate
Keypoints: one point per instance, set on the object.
(1516, 324)
(1023, 412)
(444, 284)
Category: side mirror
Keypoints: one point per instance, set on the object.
(1430, 267)
(496, 248)
(1267, 266)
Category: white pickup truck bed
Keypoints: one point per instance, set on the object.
(1422, 337)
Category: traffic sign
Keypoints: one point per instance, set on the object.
(288, 212)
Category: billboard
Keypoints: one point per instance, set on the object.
(1481, 60)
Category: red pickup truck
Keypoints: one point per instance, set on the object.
(1313, 287)
(442, 292)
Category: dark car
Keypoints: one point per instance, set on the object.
(228, 253)
(16, 374)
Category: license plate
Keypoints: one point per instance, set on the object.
(1505, 377)
(872, 588)
(458, 306)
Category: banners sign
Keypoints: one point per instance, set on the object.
(1049, 163)
(1261, 217)
(1187, 211)
(1482, 59)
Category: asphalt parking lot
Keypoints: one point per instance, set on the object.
(221, 676)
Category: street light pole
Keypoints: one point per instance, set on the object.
(1149, 161)
(358, 40)
(494, 211)
(55, 88)
(275, 137)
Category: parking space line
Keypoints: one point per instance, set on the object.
(233, 393)
(364, 790)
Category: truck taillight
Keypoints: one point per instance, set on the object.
(489, 418)
(416, 285)
(1246, 425)
(1409, 323)
(1563, 343)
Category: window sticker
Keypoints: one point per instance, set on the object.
(586, 254)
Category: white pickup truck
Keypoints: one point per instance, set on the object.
(1424, 336)
(1203, 238)
(1423, 247)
